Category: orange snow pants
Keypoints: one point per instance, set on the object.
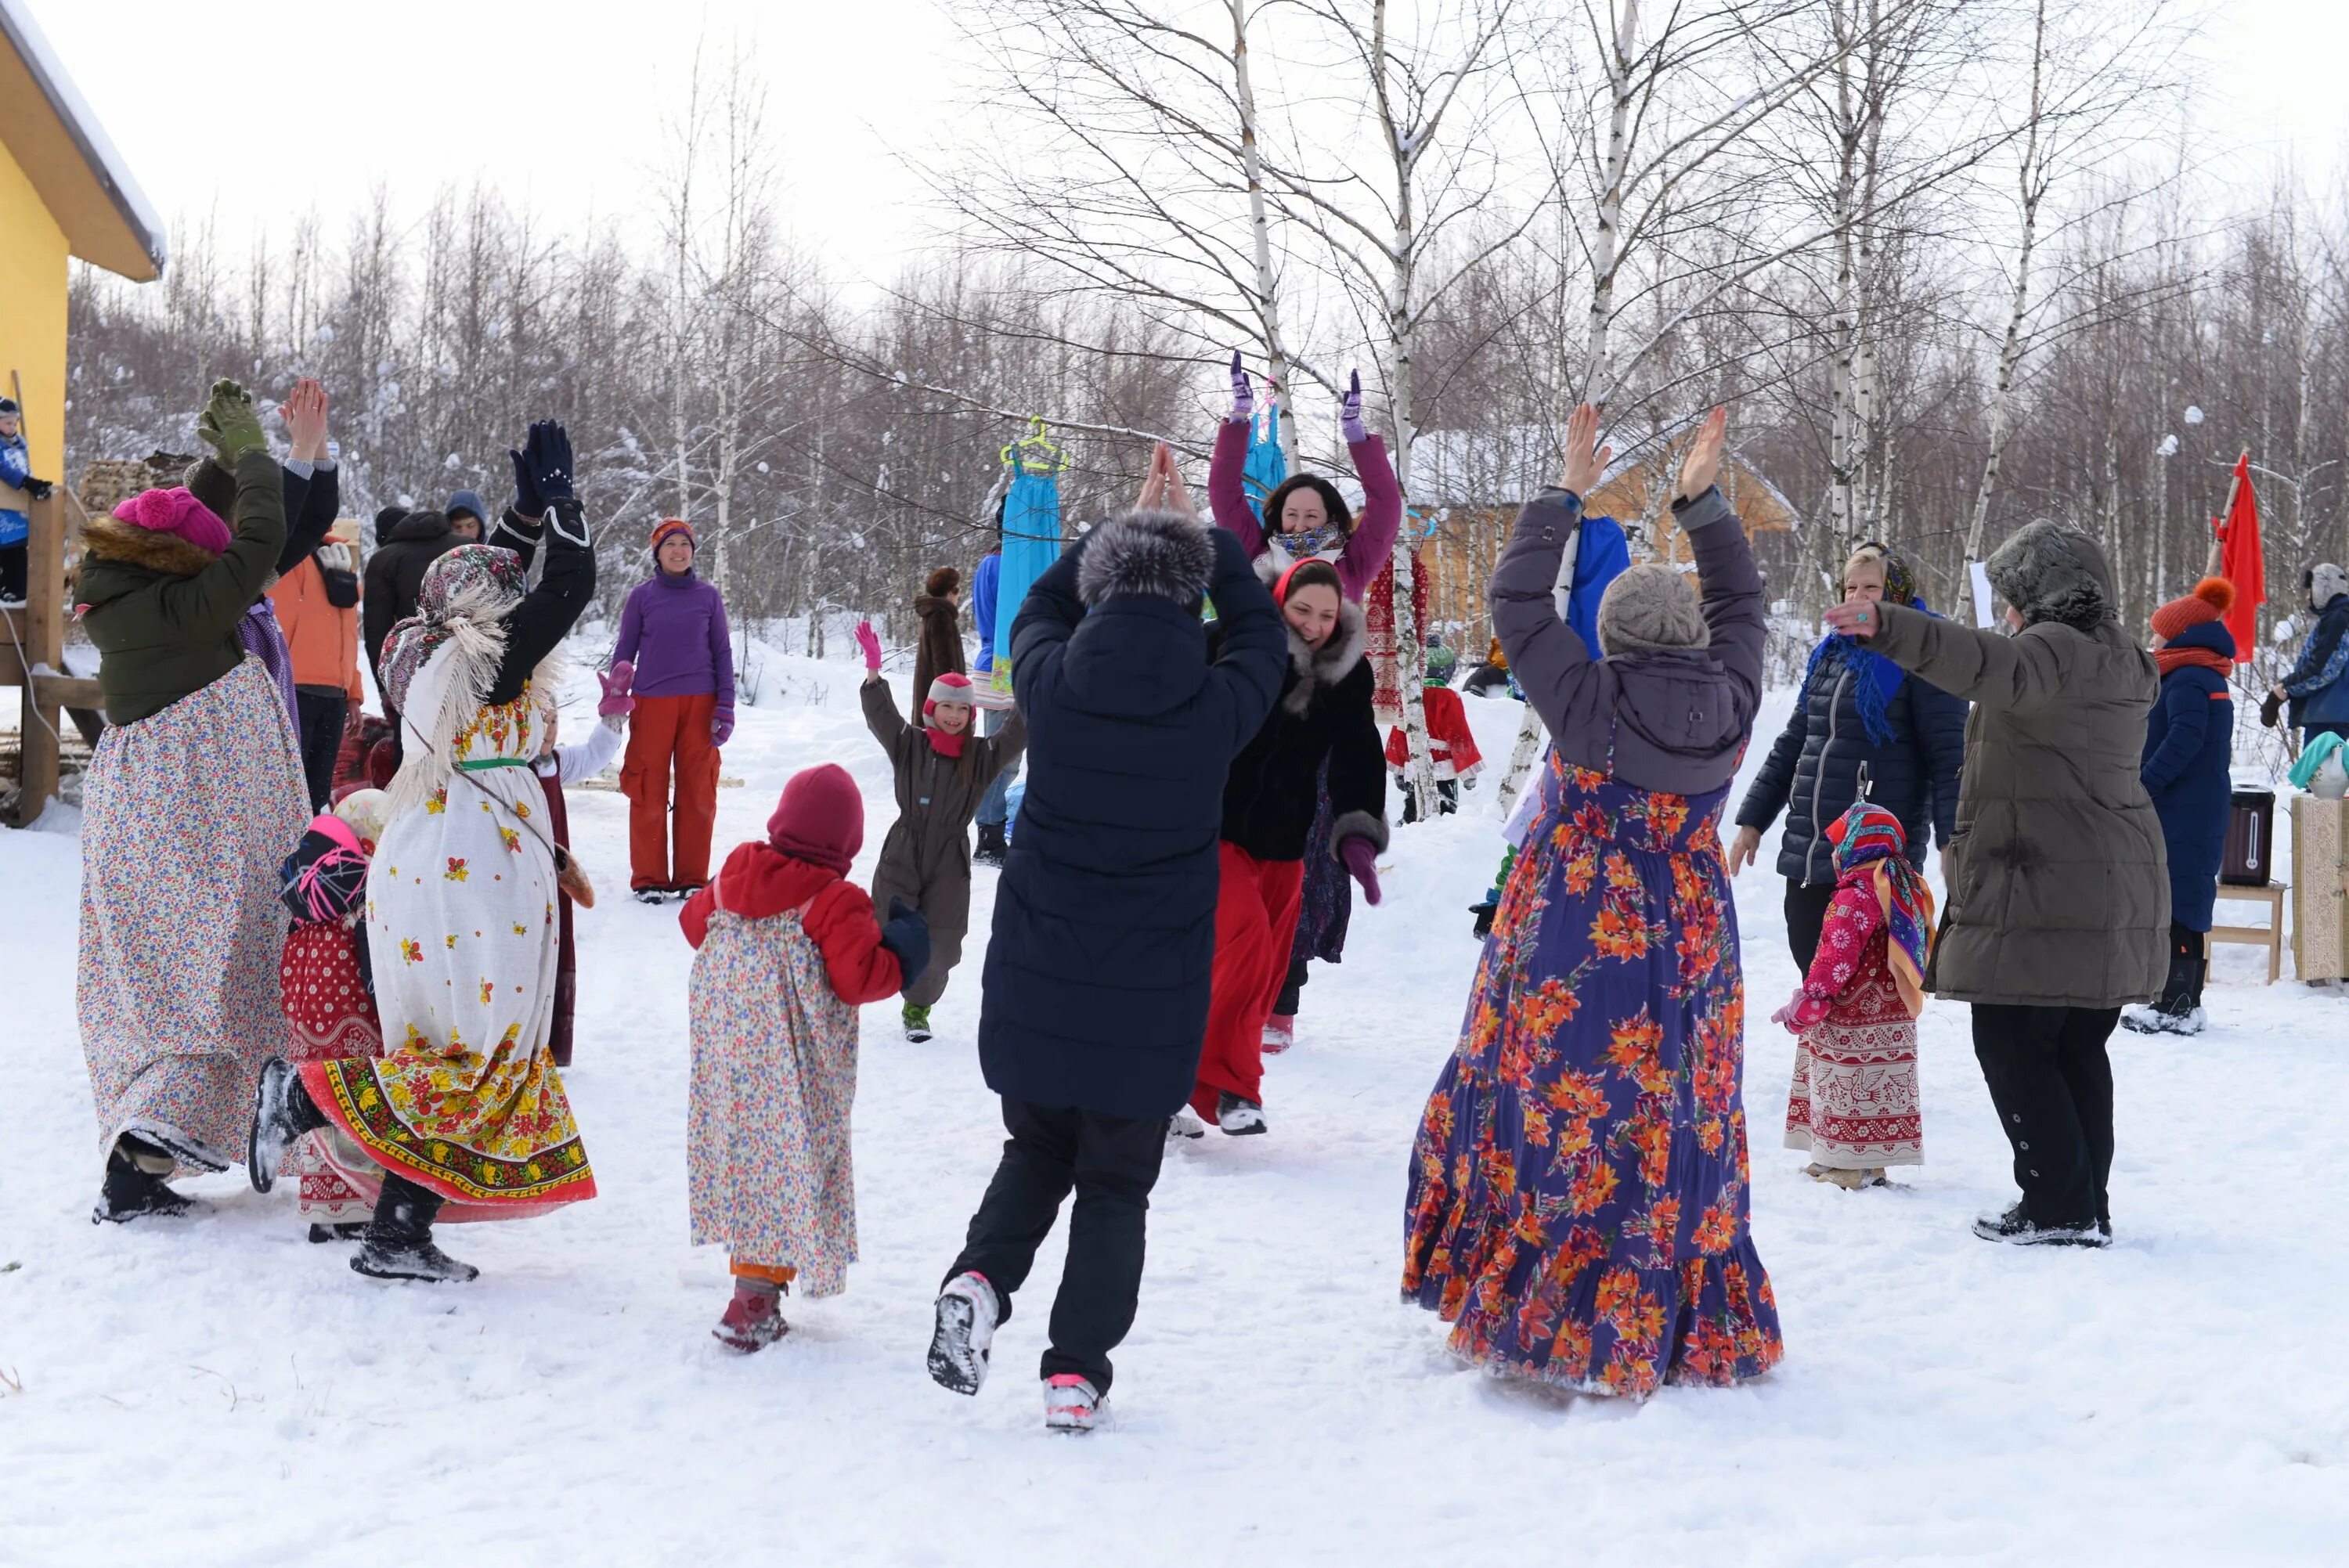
(662, 732)
(1256, 923)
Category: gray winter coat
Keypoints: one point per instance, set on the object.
(2059, 883)
(1673, 720)
(926, 859)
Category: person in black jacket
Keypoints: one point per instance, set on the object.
(1324, 713)
(1097, 973)
(1857, 711)
(414, 541)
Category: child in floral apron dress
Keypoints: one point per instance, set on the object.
(788, 949)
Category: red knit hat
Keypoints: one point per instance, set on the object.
(667, 526)
(819, 819)
(2211, 599)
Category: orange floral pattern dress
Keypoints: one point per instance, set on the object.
(461, 912)
(1577, 1205)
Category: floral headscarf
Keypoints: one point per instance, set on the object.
(474, 586)
(1871, 849)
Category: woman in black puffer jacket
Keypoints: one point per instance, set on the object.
(1856, 710)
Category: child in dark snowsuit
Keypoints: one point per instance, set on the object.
(786, 949)
(942, 772)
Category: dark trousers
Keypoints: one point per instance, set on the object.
(322, 713)
(1806, 911)
(1113, 1163)
(1292, 990)
(2052, 1084)
(12, 570)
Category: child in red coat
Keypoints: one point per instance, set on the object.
(787, 950)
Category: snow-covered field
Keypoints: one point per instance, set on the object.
(221, 1392)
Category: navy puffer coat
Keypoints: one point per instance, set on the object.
(1097, 971)
(2188, 738)
(1811, 773)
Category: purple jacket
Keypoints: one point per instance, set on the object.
(674, 632)
(1674, 721)
(1368, 548)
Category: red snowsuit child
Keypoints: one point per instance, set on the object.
(787, 950)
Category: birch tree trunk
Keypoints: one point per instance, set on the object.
(1267, 293)
(2010, 354)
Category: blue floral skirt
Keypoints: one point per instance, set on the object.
(1577, 1205)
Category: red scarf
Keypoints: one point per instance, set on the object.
(945, 744)
(2167, 660)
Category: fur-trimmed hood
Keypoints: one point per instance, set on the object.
(109, 539)
(1318, 669)
(1165, 554)
(2052, 572)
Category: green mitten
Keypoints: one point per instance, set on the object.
(229, 424)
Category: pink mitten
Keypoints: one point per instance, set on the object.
(870, 640)
(615, 684)
(1361, 858)
(1788, 1014)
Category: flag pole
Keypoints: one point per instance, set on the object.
(2218, 541)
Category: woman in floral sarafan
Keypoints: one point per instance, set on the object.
(1577, 1202)
(465, 1105)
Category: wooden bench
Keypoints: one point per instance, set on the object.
(2269, 936)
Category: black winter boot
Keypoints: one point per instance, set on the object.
(282, 1112)
(134, 1188)
(399, 1243)
(992, 845)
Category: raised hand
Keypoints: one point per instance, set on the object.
(870, 640)
(527, 501)
(305, 413)
(1349, 413)
(547, 455)
(1243, 393)
(1701, 467)
(229, 424)
(1585, 460)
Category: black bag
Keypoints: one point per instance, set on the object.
(2251, 838)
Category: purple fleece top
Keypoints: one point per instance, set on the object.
(674, 632)
(1368, 548)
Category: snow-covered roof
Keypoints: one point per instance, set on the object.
(52, 135)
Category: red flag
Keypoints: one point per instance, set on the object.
(2240, 561)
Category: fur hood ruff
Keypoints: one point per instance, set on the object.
(109, 538)
(1165, 554)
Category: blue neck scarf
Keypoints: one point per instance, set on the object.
(1873, 680)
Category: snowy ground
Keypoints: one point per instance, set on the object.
(221, 1392)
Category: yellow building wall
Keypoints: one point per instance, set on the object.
(33, 315)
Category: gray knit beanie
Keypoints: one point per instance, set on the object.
(1650, 606)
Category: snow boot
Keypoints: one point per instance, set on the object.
(1238, 1117)
(282, 1112)
(917, 1023)
(398, 1242)
(1187, 1124)
(650, 895)
(992, 845)
(966, 1315)
(341, 1231)
(1483, 912)
(753, 1319)
(1072, 1404)
(1279, 1033)
(1849, 1180)
(2016, 1230)
(134, 1187)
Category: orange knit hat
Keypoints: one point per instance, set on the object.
(672, 525)
(2211, 599)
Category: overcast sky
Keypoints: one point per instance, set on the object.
(561, 103)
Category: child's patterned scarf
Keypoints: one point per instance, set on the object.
(1871, 849)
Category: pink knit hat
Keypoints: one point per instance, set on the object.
(176, 510)
(947, 688)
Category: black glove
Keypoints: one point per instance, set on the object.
(38, 489)
(543, 468)
(526, 501)
(1484, 913)
(2271, 710)
(907, 935)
